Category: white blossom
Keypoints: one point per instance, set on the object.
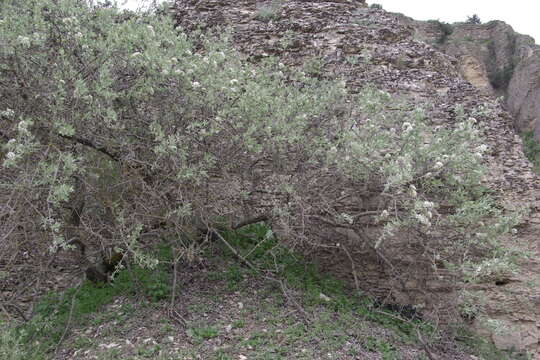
(11, 155)
(481, 148)
(7, 113)
(196, 84)
(407, 126)
(438, 165)
(24, 40)
(23, 126)
(348, 218)
(412, 191)
(422, 219)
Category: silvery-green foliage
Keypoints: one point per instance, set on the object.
(87, 89)
(163, 130)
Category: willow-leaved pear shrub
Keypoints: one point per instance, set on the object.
(118, 130)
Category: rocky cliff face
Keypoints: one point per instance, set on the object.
(346, 39)
(495, 59)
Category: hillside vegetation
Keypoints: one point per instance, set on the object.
(121, 132)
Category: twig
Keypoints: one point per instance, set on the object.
(282, 285)
(17, 310)
(88, 143)
(244, 260)
(250, 221)
(428, 352)
(171, 312)
(173, 293)
(255, 247)
(70, 317)
(5, 310)
(299, 308)
(391, 315)
(353, 266)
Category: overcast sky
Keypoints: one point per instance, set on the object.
(522, 15)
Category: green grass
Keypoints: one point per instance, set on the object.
(334, 319)
(386, 349)
(56, 310)
(202, 333)
(531, 148)
(255, 243)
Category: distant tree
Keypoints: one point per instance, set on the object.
(444, 28)
(473, 20)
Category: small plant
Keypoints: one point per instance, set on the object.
(353, 59)
(13, 347)
(445, 30)
(500, 79)
(314, 67)
(287, 40)
(234, 277)
(270, 12)
(376, 6)
(474, 19)
(203, 332)
(531, 148)
(148, 352)
(378, 345)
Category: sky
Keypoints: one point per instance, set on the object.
(522, 15)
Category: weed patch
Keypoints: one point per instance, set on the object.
(57, 311)
(531, 148)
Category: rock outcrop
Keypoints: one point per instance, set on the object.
(496, 59)
(348, 40)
